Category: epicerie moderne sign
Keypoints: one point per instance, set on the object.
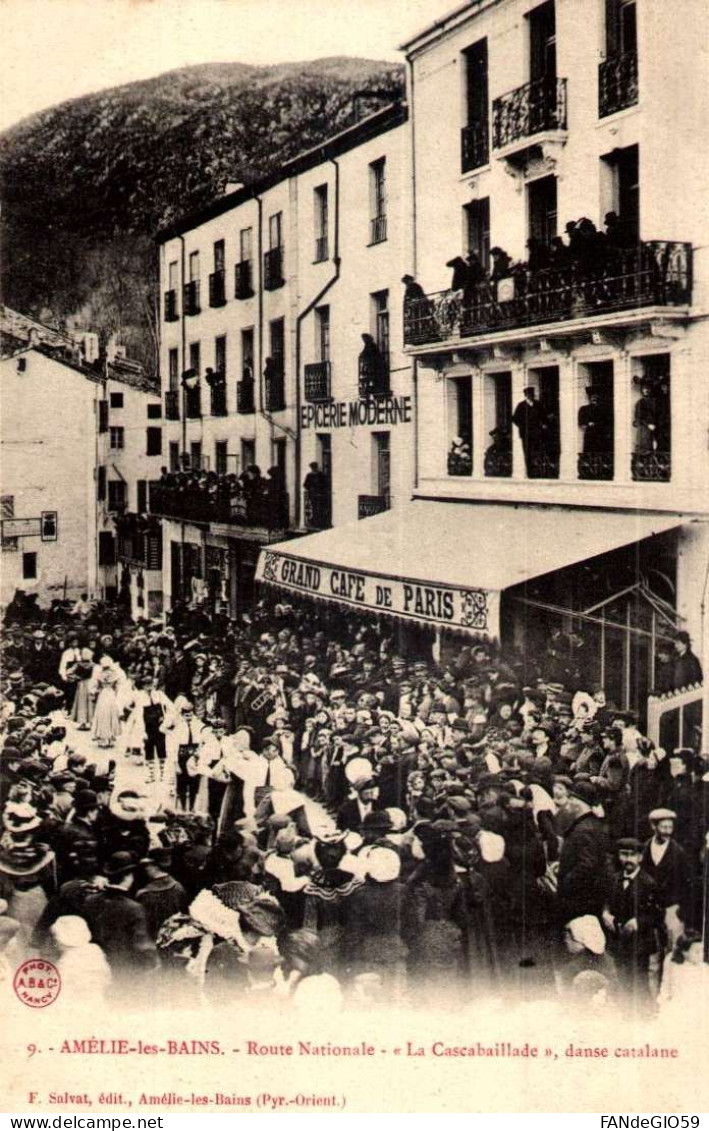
(354, 414)
(476, 610)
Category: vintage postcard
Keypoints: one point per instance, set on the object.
(354, 558)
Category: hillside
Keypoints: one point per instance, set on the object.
(86, 184)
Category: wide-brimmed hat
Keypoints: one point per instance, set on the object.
(20, 817)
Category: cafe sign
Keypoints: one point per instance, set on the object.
(428, 602)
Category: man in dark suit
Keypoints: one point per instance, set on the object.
(118, 923)
(582, 880)
(633, 918)
(351, 814)
(665, 861)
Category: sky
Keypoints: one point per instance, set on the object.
(51, 50)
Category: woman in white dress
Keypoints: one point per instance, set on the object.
(106, 681)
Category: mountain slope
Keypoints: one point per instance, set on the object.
(86, 184)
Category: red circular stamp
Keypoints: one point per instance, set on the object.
(37, 983)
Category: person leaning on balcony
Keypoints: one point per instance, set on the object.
(460, 273)
(501, 264)
(413, 290)
(687, 669)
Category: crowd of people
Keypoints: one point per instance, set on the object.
(249, 498)
(293, 807)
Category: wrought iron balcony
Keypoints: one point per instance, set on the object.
(368, 505)
(651, 467)
(217, 396)
(275, 392)
(171, 314)
(317, 381)
(374, 376)
(474, 146)
(537, 107)
(595, 465)
(321, 249)
(658, 273)
(217, 289)
(190, 300)
(273, 269)
(172, 405)
(225, 500)
(317, 511)
(243, 282)
(245, 395)
(377, 229)
(617, 83)
(543, 465)
(193, 403)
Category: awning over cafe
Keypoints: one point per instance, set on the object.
(446, 563)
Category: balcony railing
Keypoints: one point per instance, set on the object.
(543, 465)
(317, 381)
(217, 289)
(617, 83)
(245, 395)
(217, 398)
(172, 405)
(275, 392)
(223, 499)
(374, 376)
(377, 229)
(243, 281)
(651, 467)
(534, 108)
(474, 146)
(193, 403)
(321, 249)
(190, 301)
(595, 465)
(171, 314)
(317, 511)
(658, 273)
(498, 463)
(368, 505)
(273, 269)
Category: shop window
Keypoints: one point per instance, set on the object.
(498, 424)
(29, 566)
(536, 419)
(651, 458)
(595, 419)
(460, 426)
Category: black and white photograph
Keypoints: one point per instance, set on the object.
(354, 560)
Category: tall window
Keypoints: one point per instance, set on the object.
(174, 456)
(277, 343)
(220, 354)
(173, 273)
(381, 463)
(595, 419)
(475, 137)
(246, 245)
(29, 567)
(116, 437)
(219, 256)
(621, 27)
(195, 357)
(542, 42)
(220, 457)
(194, 266)
(196, 454)
(627, 189)
(173, 367)
(321, 223)
(477, 222)
(247, 354)
(498, 425)
(117, 495)
(460, 426)
(248, 453)
(618, 72)
(7, 510)
(378, 201)
(322, 332)
(153, 442)
(542, 210)
(142, 500)
(652, 419)
(275, 230)
(380, 318)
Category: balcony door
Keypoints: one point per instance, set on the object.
(542, 42)
(542, 210)
(621, 27)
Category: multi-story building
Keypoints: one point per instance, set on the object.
(266, 297)
(562, 407)
(79, 445)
